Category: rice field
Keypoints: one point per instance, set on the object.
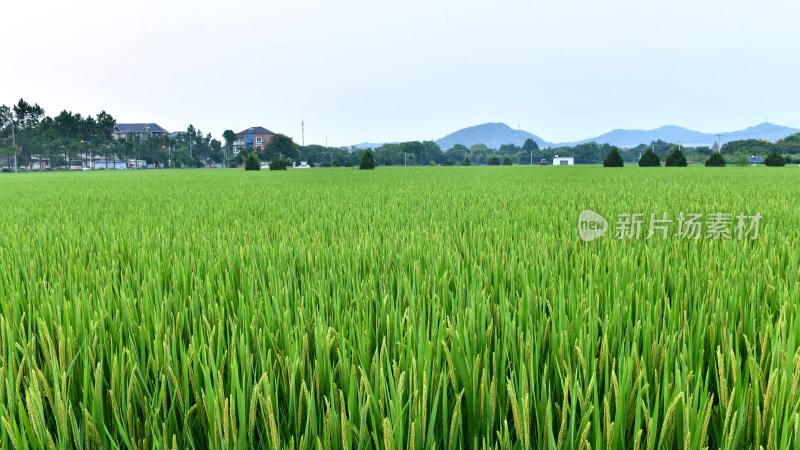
(397, 308)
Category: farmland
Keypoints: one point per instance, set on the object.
(396, 308)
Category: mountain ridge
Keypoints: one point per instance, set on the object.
(492, 134)
(495, 134)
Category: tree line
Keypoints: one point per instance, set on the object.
(71, 139)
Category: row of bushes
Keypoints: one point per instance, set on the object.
(676, 158)
(252, 162)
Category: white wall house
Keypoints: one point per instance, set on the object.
(110, 164)
(563, 161)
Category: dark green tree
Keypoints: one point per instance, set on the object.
(367, 161)
(182, 158)
(102, 133)
(749, 147)
(6, 147)
(191, 137)
(252, 162)
(432, 151)
(335, 163)
(509, 149)
(613, 159)
(507, 161)
(230, 138)
(649, 159)
(715, 160)
(458, 152)
(278, 164)
(281, 146)
(492, 160)
(774, 160)
(676, 158)
(790, 144)
(66, 129)
(466, 161)
(27, 119)
(533, 153)
(530, 146)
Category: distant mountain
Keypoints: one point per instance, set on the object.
(632, 138)
(768, 131)
(671, 133)
(492, 134)
(496, 134)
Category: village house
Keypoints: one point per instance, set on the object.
(143, 131)
(254, 137)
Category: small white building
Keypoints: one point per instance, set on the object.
(109, 164)
(563, 161)
(303, 165)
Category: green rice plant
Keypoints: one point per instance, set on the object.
(423, 309)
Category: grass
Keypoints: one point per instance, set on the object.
(400, 308)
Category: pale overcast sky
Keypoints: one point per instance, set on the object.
(378, 71)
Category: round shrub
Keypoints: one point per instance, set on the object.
(277, 164)
(367, 161)
(676, 158)
(252, 162)
(715, 160)
(613, 159)
(649, 159)
(774, 160)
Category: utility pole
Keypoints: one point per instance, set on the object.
(719, 143)
(303, 132)
(14, 144)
